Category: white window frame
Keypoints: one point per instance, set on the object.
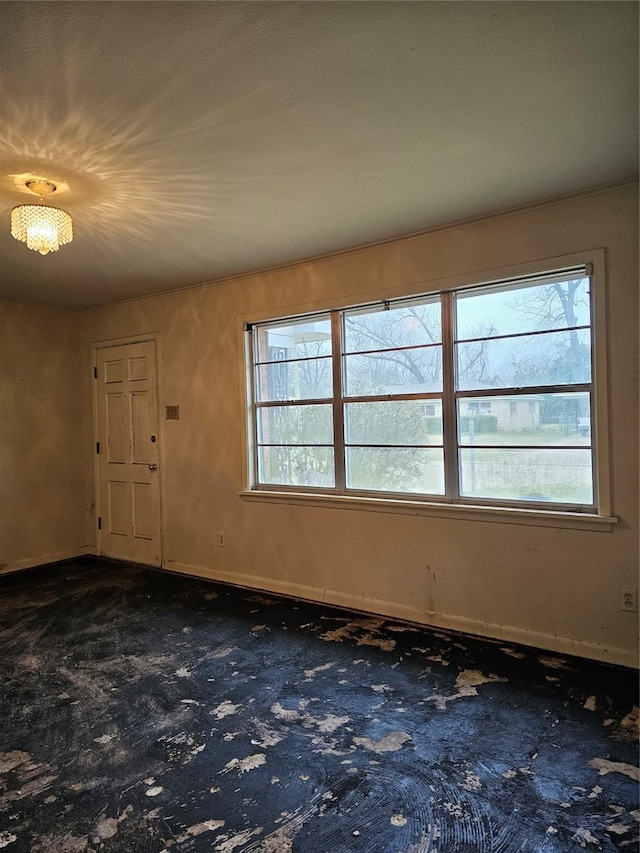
(598, 518)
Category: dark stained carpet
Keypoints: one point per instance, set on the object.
(142, 711)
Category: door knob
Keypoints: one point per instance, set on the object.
(153, 467)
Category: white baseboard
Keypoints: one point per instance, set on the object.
(406, 613)
(43, 559)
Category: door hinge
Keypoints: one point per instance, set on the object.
(97, 447)
(99, 522)
(95, 372)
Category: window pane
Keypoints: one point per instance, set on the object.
(556, 358)
(296, 425)
(559, 305)
(407, 325)
(294, 339)
(309, 379)
(562, 476)
(395, 422)
(296, 466)
(396, 469)
(543, 420)
(412, 371)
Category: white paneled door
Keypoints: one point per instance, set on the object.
(128, 453)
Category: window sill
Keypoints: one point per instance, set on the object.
(466, 512)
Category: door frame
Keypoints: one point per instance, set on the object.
(153, 337)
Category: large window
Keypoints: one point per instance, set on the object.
(475, 396)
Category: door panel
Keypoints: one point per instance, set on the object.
(140, 431)
(115, 438)
(137, 368)
(129, 480)
(142, 514)
(113, 370)
(117, 511)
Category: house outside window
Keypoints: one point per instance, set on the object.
(479, 408)
(468, 396)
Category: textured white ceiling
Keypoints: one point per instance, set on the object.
(192, 141)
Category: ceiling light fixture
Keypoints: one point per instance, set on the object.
(44, 229)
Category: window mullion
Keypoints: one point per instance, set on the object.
(524, 390)
(449, 414)
(596, 375)
(338, 404)
(254, 468)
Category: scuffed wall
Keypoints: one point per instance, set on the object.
(557, 588)
(43, 500)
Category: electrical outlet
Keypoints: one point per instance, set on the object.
(221, 539)
(629, 599)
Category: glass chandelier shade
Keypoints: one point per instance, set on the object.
(44, 229)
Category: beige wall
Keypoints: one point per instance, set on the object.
(43, 496)
(559, 588)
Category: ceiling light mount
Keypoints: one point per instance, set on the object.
(41, 188)
(42, 227)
